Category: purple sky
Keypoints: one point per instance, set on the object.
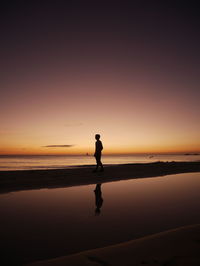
(127, 71)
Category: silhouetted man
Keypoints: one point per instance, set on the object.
(97, 154)
(98, 199)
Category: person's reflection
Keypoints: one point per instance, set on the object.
(98, 199)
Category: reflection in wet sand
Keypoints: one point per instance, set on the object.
(98, 199)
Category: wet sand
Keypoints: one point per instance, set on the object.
(83, 175)
(177, 247)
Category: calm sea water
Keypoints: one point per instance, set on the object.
(47, 223)
(64, 161)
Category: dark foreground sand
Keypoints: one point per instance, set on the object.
(35, 179)
(179, 247)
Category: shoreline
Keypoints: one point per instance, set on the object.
(11, 181)
(179, 246)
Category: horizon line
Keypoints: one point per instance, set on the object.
(107, 154)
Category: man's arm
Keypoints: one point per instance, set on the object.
(95, 149)
(101, 146)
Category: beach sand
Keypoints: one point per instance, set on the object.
(178, 247)
(36, 179)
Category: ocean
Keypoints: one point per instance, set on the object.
(33, 162)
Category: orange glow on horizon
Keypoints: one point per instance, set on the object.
(90, 151)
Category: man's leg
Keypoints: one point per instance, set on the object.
(97, 164)
(100, 163)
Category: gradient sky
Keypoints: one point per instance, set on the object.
(70, 70)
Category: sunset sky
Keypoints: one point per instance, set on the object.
(128, 72)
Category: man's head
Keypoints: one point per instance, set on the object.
(97, 136)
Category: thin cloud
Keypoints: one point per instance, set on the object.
(73, 124)
(58, 146)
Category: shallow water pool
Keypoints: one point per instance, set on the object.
(46, 223)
